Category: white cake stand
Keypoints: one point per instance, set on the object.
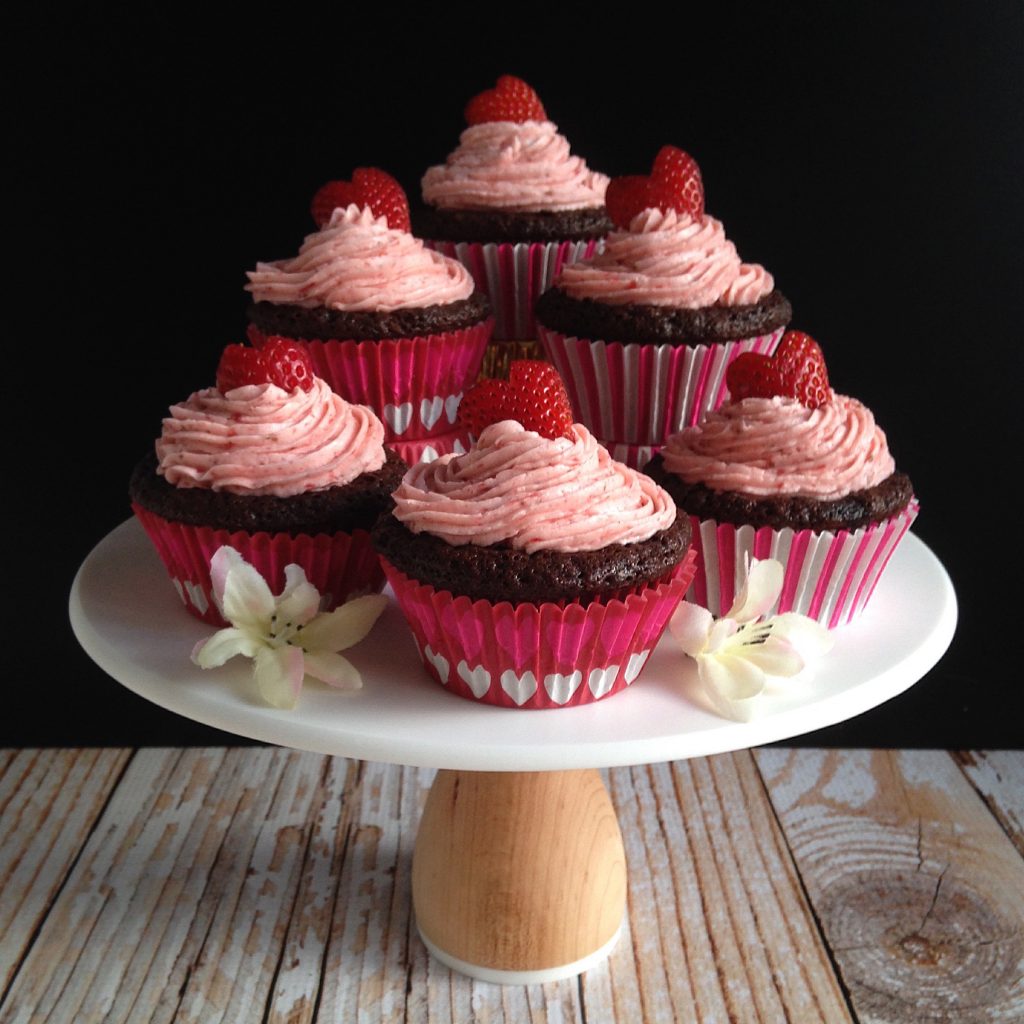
(519, 870)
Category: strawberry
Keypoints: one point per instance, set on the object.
(510, 100)
(534, 395)
(279, 362)
(797, 370)
(752, 375)
(287, 365)
(803, 369)
(240, 365)
(370, 186)
(673, 184)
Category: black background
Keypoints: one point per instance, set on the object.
(869, 155)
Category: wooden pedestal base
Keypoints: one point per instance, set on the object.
(519, 876)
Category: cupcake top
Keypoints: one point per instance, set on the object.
(356, 263)
(777, 446)
(533, 493)
(501, 165)
(668, 258)
(512, 158)
(269, 428)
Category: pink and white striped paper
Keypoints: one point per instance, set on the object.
(829, 576)
(639, 394)
(514, 275)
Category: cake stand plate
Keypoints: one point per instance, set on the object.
(518, 808)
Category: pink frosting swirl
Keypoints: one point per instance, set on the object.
(766, 446)
(356, 262)
(501, 165)
(668, 259)
(535, 494)
(261, 439)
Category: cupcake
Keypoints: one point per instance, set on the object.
(514, 205)
(642, 332)
(387, 322)
(790, 470)
(274, 464)
(534, 571)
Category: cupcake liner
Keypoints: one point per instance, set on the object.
(636, 456)
(640, 394)
(413, 384)
(514, 275)
(339, 565)
(426, 449)
(538, 656)
(829, 576)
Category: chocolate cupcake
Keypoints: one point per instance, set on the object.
(643, 332)
(274, 465)
(386, 322)
(514, 205)
(787, 469)
(534, 571)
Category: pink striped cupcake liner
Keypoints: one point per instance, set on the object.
(532, 656)
(413, 384)
(514, 275)
(636, 456)
(339, 565)
(829, 576)
(426, 449)
(640, 394)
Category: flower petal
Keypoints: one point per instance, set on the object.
(732, 685)
(345, 626)
(333, 669)
(774, 655)
(690, 625)
(809, 637)
(300, 600)
(246, 599)
(760, 590)
(279, 672)
(223, 645)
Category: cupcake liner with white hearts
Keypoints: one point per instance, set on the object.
(339, 565)
(513, 275)
(414, 385)
(829, 576)
(530, 656)
(639, 394)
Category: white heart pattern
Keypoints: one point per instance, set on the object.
(561, 688)
(430, 411)
(194, 593)
(601, 680)
(428, 454)
(451, 406)
(633, 666)
(458, 448)
(398, 417)
(439, 661)
(477, 679)
(519, 688)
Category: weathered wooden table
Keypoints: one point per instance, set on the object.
(262, 884)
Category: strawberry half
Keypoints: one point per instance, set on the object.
(279, 362)
(511, 99)
(370, 186)
(534, 395)
(674, 184)
(797, 370)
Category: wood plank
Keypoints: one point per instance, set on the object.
(918, 890)
(999, 776)
(49, 802)
(719, 928)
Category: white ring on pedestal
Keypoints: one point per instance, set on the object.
(538, 977)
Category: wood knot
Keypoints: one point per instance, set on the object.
(923, 947)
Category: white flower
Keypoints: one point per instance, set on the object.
(287, 637)
(736, 654)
